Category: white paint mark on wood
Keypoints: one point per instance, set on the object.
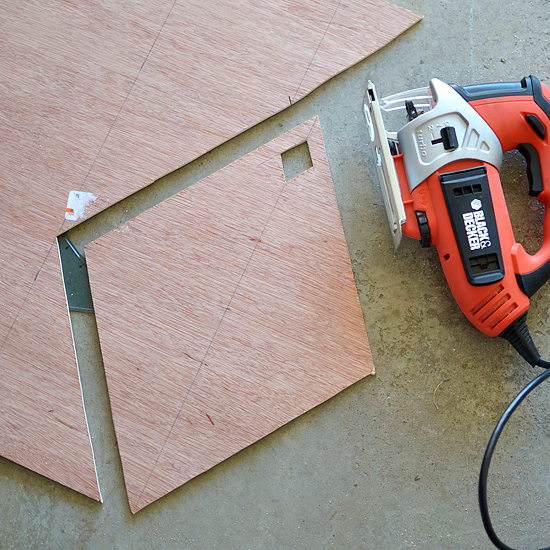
(77, 203)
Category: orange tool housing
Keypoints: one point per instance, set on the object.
(492, 307)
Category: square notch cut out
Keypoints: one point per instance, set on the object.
(296, 161)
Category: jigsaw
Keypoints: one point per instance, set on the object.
(439, 176)
(440, 180)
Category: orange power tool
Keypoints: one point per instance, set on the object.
(440, 179)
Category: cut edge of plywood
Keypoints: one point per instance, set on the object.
(45, 429)
(140, 504)
(415, 18)
(99, 496)
(137, 506)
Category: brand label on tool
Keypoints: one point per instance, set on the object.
(468, 198)
(476, 228)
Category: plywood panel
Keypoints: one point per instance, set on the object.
(66, 69)
(106, 97)
(42, 421)
(230, 309)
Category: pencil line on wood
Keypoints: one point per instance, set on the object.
(312, 128)
(85, 179)
(30, 289)
(212, 340)
(129, 92)
(317, 49)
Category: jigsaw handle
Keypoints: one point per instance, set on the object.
(519, 114)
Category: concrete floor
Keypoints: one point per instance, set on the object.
(377, 466)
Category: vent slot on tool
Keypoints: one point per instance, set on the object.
(494, 308)
(467, 190)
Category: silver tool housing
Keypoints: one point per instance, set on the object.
(420, 143)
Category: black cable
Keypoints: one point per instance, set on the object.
(491, 448)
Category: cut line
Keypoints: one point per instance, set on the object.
(316, 50)
(129, 92)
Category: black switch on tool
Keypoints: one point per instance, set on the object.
(448, 138)
(537, 125)
(450, 141)
(412, 113)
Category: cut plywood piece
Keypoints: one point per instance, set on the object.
(103, 98)
(42, 420)
(223, 313)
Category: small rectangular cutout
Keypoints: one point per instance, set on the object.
(296, 161)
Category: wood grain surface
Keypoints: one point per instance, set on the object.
(105, 98)
(218, 68)
(223, 313)
(42, 420)
(66, 69)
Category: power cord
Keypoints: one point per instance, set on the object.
(484, 508)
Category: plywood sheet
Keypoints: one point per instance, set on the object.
(223, 313)
(105, 98)
(220, 67)
(66, 69)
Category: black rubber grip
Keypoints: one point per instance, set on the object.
(534, 171)
(496, 89)
(531, 282)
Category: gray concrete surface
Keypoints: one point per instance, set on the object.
(377, 466)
